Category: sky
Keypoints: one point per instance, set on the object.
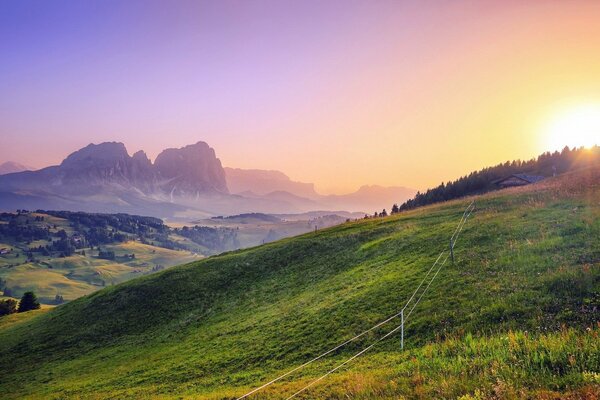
(339, 93)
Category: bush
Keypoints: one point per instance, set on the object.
(106, 254)
(8, 306)
(58, 299)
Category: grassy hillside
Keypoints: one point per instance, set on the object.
(77, 275)
(255, 228)
(30, 258)
(515, 317)
(58, 252)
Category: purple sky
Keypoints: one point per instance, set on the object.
(340, 93)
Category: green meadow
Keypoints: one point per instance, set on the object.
(77, 275)
(81, 273)
(514, 317)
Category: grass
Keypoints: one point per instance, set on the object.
(514, 317)
(79, 275)
(17, 318)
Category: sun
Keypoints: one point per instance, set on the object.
(575, 127)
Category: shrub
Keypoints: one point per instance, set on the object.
(8, 306)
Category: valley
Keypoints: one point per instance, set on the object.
(300, 200)
(63, 255)
(514, 317)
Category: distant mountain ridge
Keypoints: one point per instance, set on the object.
(185, 183)
(186, 171)
(277, 185)
(263, 182)
(10, 167)
(105, 178)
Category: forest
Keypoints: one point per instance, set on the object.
(547, 164)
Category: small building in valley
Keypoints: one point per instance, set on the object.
(518, 180)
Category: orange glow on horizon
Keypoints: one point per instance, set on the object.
(578, 126)
(342, 94)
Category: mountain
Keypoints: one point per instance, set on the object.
(191, 170)
(262, 182)
(276, 185)
(10, 167)
(370, 198)
(513, 316)
(105, 178)
(96, 166)
(186, 183)
(187, 171)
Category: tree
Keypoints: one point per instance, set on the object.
(28, 302)
(8, 306)
(383, 213)
(482, 181)
(58, 299)
(395, 209)
(106, 254)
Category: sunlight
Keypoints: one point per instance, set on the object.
(577, 127)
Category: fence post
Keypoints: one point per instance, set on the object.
(402, 330)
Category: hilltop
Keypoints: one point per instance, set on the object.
(514, 317)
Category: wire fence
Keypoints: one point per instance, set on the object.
(449, 253)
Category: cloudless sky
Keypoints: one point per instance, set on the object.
(340, 93)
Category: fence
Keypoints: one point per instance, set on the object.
(403, 318)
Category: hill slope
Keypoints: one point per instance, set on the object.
(507, 320)
(59, 252)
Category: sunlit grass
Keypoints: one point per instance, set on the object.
(514, 317)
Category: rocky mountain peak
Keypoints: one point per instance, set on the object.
(97, 155)
(191, 169)
(140, 157)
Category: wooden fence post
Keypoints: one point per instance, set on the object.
(402, 330)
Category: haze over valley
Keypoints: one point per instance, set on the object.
(181, 185)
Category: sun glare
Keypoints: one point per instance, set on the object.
(576, 127)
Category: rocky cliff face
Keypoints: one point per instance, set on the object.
(190, 170)
(97, 164)
(186, 181)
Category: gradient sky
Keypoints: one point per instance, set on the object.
(340, 93)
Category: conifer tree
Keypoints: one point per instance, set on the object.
(28, 302)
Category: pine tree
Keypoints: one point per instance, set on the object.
(28, 302)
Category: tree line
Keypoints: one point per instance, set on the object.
(547, 164)
(28, 302)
